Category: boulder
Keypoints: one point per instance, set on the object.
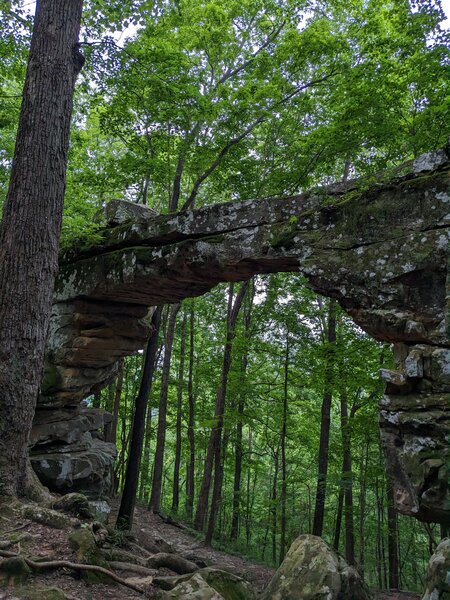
(14, 571)
(74, 504)
(194, 588)
(88, 471)
(227, 585)
(100, 510)
(116, 212)
(312, 570)
(438, 573)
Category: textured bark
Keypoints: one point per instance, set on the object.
(30, 230)
(155, 497)
(319, 512)
(126, 510)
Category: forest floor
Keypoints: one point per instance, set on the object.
(41, 542)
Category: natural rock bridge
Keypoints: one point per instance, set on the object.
(383, 252)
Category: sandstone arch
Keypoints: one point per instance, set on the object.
(382, 251)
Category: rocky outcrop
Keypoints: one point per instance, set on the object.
(67, 453)
(382, 251)
(311, 570)
(438, 573)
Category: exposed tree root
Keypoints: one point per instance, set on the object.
(124, 566)
(174, 562)
(65, 564)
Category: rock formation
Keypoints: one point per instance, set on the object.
(438, 573)
(311, 570)
(381, 250)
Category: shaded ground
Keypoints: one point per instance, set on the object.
(184, 543)
(39, 542)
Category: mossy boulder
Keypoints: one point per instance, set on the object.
(194, 588)
(42, 593)
(225, 584)
(14, 571)
(311, 570)
(229, 585)
(75, 504)
(438, 573)
(82, 542)
(49, 517)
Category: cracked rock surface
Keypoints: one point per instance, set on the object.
(382, 251)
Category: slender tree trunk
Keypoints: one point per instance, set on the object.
(111, 435)
(325, 421)
(392, 540)
(236, 510)
(177, 463)
(283, 453)
(190, 474)
(155, 497)
(338, 523)
(219, 460)
(250, 496)
(126, 510)
(347, 479)
(274, 500)
(216, 432)
(362, 503)
(30, 230)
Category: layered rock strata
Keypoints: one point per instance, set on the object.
(382, 251)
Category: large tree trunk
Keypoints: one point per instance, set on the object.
(155, 497)
(126, 510)
(29, 236)
(319, 512)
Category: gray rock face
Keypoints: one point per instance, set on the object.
(438, 573)
(67, 453)
(382, 252)
(311, 570)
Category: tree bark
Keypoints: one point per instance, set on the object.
(155, 497)
(30, 230)
(126, 510)
(319, 512)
